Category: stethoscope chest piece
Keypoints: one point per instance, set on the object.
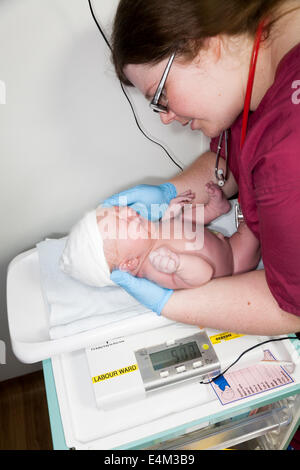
(219, 172)
(239, 218)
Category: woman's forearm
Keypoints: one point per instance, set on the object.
(241, 303)
(200, 172)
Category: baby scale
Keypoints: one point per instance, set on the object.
(125, 370)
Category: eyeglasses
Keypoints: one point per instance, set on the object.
(155, 105)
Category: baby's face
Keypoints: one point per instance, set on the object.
(127, 233)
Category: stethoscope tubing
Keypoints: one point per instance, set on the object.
(219, 173)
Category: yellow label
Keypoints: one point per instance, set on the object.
(114, 373)
(224, 337)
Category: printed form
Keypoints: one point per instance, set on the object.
(252, 380)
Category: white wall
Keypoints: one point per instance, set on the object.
(67, 135)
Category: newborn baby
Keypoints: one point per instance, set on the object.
(177, 252)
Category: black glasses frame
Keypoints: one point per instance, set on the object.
(155, 105)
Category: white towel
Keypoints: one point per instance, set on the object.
(73, 306)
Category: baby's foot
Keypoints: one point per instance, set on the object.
(217, 202)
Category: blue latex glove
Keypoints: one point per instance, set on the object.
(141, 197)
(146, 292)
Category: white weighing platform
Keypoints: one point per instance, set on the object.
(189, 417)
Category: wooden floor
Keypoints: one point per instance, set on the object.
(24, 419)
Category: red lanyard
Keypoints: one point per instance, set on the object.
(251, 76)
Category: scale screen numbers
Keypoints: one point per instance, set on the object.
(178, 354)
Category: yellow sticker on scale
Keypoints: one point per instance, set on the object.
(216, 339)
(114, 373)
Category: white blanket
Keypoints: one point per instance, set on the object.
(75, 307)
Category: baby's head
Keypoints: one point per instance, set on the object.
(106, 239)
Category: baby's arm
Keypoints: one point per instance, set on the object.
(177, 204)
(187, 270)
(182, 204)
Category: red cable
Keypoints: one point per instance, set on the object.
(250, 82)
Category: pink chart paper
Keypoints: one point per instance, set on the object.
(250, 381)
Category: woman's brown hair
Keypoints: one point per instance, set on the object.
(148, 31)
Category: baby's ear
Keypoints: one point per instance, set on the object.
(129, 265)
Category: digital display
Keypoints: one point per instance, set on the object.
(170, 357)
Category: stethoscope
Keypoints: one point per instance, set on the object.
(219, 172)
(221, 176)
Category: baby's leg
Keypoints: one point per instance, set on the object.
(182, 205)
(245, 249)
(188, 270)
(194, 270)
(217, 203)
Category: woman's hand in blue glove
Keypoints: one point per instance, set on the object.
(146, 292)
(149, 201)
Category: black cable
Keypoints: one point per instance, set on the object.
(127, 97)
(98, 26)
(241, 355)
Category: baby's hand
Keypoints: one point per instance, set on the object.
(177, 203)
(164, 260)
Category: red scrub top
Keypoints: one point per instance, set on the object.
(267, 171)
